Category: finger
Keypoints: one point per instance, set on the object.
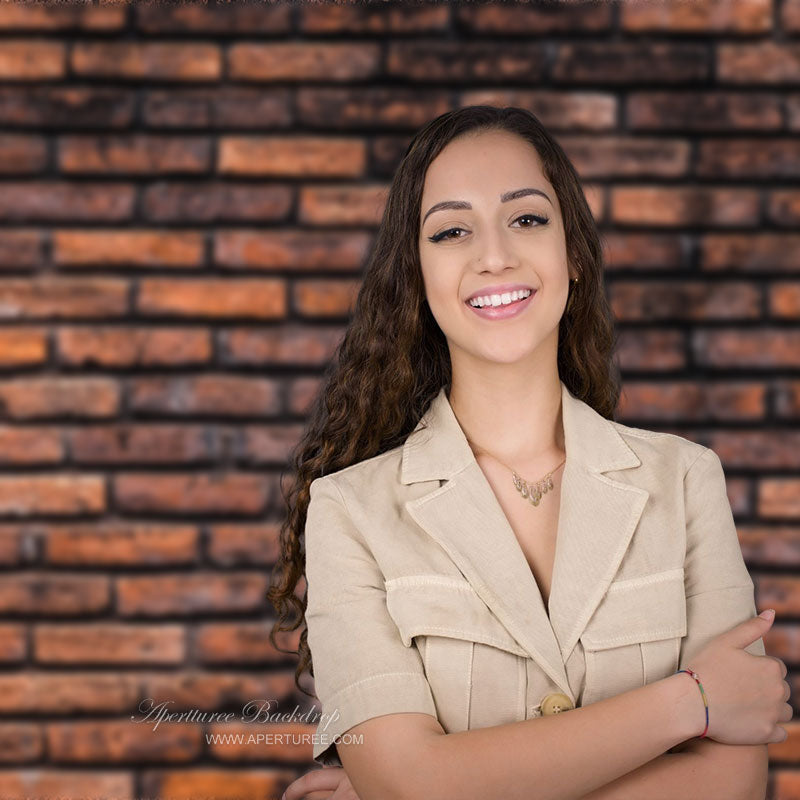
(326, 779)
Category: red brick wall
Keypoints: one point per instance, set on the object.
(187, 195)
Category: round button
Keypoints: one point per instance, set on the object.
(556, 703)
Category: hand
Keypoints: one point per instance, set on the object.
(747, 695)
(331, 779)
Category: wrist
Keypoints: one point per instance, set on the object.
(689, 710)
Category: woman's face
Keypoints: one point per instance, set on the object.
(490, 245)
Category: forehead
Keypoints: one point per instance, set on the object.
(484, 164)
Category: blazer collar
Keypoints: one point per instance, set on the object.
(597, 517)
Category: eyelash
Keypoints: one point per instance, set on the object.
(443, 234)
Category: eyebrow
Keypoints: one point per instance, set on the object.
(460, 205)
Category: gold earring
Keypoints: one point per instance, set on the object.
(573, 281)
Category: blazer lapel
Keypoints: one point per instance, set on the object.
(597, 518)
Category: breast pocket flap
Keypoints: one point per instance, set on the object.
(442, 606)
(641, 609)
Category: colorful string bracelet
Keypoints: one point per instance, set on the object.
(692, 674)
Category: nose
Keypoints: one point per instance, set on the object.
(494, 253)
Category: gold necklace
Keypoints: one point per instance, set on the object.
(530, 491)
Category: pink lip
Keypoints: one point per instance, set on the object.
(503, 312)
(498, 288)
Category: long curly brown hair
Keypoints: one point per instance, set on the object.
(393, 357)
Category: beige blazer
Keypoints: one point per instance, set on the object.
(420, 597)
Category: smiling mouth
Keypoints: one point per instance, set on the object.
(499, 300)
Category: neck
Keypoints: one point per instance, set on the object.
(516, 421)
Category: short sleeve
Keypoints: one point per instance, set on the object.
(719, 589)
(362, 669)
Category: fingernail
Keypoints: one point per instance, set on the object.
(768, 614)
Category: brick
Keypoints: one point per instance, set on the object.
(20, 153)
(65, 106)
(790, 15)
(703, 111)
(689, 300)
(558, 110)
(763, 348)
(325, 298)
(162, 249)
(129, 346)
(197, 593)
(770, 545)
(684, 206)
(749, 251)
(353, 19)
(122, 742)
(20, 742)
(57, 297)
(285, 743)
(297, 156)
(298, 61)
(428, 60)
(368, 106)
(261, 299)
(53, 594)
(138, 154)
(757, 449)
(758, 63)
(22, 346)
(288, 344)
(686, 400)
(35, 397)
(248, 19)
(47, 782)
(292, 249)
(31, 60)
(596, 157)
(20, 249)
(652, 350)
(67, 693)
(342, 205)
(13, 643)
(241, 545)
(748, 158)
(30, 445)
(222, 107)
(60, 201)
(17, 545)
(227, 492)
(51, 494)
(779, 497)
(267, 444)
(175, 61)
(109, 643)
(241, 643)
(224, 784)
(525, 19)
(645, 251)
(213, 691)
(783, 207)
(701, 16)
(131, 443)
(43, 17)
(206, 394)
(302, 393)
(784, 301)
(215, 201)
(122, 545)
(787, 399)
(632, 62)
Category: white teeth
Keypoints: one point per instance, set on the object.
(499, 299)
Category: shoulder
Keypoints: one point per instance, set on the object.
(376, 475)
(661, 450)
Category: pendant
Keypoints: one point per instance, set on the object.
(533, 492)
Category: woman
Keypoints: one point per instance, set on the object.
(483, 545)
